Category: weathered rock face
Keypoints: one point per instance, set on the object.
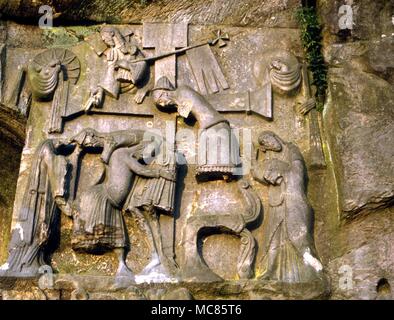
(359, 114)
(371, 19)
(358, 125)
(359, 121)
(362, 257)
(226, 12)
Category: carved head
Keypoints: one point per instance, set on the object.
(44, 79)
(269, 141)
(281, 68)
(87, 137)
(162, 92)
(279, 65)
(112, 37)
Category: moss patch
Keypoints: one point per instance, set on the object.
(312, 42)
(66, 36)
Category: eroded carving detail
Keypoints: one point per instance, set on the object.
(122, 72)
(50, 75)
(288, 247)
(130, 180)
(215, 130)
(202, 223)
(44, 195)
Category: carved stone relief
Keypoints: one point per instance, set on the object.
(289, 253)
(150, 127)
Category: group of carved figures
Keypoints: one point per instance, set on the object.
(133, 181)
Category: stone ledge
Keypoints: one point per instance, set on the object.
(79, 287)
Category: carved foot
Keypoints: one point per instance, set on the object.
(29, 272)
(155, 272)
(124, 271)
(124, 276)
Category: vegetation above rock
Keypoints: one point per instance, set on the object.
(311, 40)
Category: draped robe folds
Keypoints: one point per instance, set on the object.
(99, 225)
(147, 199)
(287, 228)
(218, 149)
(157, 193)
(38, 212)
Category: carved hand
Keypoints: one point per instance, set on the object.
(274, 171)
(168, 174)
(140, 95)
(124, 64)
(97, 96)
(271, 176)
(258, 175)
(307, 106)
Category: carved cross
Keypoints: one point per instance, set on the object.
(165, 37)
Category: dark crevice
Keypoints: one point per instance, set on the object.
(309, 3)
(383, 290)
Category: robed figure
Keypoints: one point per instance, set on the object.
(288, 249)
(44, 196)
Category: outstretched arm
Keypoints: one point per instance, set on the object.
(108, 141)
(140, 169)
(149, 172)
(120, 139)
(87, 138)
